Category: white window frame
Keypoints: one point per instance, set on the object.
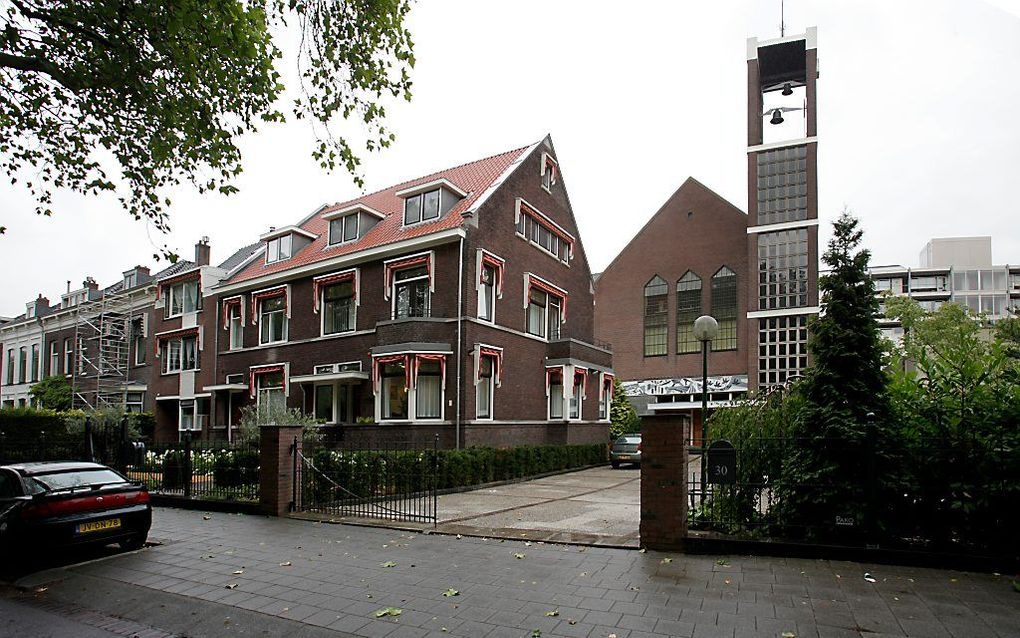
(262, 319)
(550, 301)
(354, 303)
(490, 383)
(394, 284)
(606, 398)
(198, 419)
(129, 406)
(276, 245)
(420, 196)
(343, 221)
(542, 220)
(412, 397)
(413, 407)
(138, 341)
(54, 357)
(166, 348)
(260, 391)
(68, 356)
(492, 295)
(563, 399)
(177, 290)
(233, 318)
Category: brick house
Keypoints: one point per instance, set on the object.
(646, 305)
(457, 304)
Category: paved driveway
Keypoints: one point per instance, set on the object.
(599, 506)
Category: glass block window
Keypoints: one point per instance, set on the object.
(656, 317)
(724, 308)
(782, 348)
(782, 185)
(688, 308)
(783, 269)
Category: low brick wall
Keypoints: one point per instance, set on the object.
(664, 482)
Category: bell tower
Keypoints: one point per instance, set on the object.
(782, 189)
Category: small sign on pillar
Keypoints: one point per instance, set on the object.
(722, 463)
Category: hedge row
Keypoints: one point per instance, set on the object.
(365, 474)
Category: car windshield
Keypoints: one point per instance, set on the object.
(78, 478)
(629, 439)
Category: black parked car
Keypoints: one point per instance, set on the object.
(626, 449)
(65, 504)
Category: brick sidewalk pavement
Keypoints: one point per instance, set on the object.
(339, 577)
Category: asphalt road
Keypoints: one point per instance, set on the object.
(20, 620)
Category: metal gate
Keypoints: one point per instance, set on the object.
(395, 480)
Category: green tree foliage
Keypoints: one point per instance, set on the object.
(269, 413)
(955, 417)
(53, 393)
(622, 416)
(134, 98)
(845, 383)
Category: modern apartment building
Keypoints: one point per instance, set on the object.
(458, 304)
(757, 273)
(952, 269)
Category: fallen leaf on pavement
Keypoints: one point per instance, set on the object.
(205, 518)
(723, 562)
(451, 592)
(788, 634)
(536, 633)
(388, 563)
(868, 577)
(571, 621)
(40, 590)
(643, 550)
(388, 611)
(238, 572)
(232, 586)
(553, 613)
(667, 561)
(518, 555)
(285, 563)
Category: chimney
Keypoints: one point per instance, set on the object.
(202, 252)
(90, 283)
(41, 304)
(143, 271)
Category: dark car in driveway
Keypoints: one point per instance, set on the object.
(626, 449)
(66, 504)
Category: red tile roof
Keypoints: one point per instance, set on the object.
(473, 178)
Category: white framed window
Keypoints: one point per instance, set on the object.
(394, 391)
(555, 395)
(549, 168)
(138, 340)
(182, 298)
(194, 414)
(22, 365)
(542, 232)
(235, 326)
(54, 357)
(81, 354)
(576, 395)
(428, 391)
(411, 295)
(272, 320)
(339, 308)
(487, 293)
(180, 354)
(10, 366)
(278, 249)
(544, 314)
(130, 280)
(343, 229)
(606, 396)
(270, 393)
(484, 390)
(134, 402)
(68, 356)
(422, 207)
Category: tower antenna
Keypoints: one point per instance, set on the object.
(782, 18)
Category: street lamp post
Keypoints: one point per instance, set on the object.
(706, 328)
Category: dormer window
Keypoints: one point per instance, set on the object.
(283, 243)
(343, 229)
(130, 280)
(278, 249)
(429, 201)
(420, 208)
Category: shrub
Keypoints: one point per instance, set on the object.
(176, 472)
(234, 468)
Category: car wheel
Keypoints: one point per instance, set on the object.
(615, 464)
(134, 542)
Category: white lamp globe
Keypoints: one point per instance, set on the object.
(706, 328)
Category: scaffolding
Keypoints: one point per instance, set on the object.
(103, 332)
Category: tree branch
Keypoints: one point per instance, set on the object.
(38, 65)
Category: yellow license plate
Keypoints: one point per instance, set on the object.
(98, 526)
(625, 457)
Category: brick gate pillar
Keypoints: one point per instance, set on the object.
(664, 481)
(276, 472)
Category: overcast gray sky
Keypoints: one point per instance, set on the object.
(918, 131)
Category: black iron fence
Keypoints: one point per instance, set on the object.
(204, 470)
(395, 480)
(943, 496)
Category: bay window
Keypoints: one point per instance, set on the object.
(273, 320)
(411, 296)
(409, 386)
(339, 308)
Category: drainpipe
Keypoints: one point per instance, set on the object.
(460, 324)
